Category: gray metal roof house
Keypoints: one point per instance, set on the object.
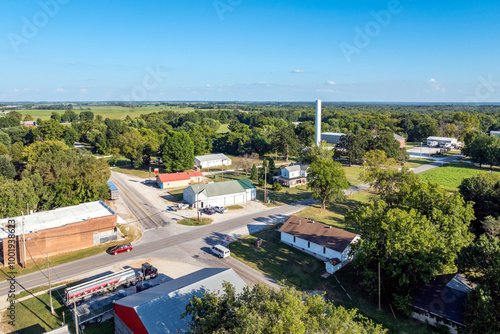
(158, 309)
(212, 160)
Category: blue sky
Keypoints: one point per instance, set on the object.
(242, 50)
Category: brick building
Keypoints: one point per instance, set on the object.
(57, 231)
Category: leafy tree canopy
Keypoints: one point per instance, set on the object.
(264, 310)
(327, 180)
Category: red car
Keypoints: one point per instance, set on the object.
(120, 249)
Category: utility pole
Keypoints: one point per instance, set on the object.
(24, 241)
(222, 170)
(197, 208)
(379, 286)
(265, 184)
(76, 317)
(50, 286)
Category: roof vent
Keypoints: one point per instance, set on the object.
(329, 227)
(299, 222)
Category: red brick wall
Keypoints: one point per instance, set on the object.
(63, 239)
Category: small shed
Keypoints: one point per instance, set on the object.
(113, 190)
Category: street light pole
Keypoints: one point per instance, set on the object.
(265, 185)
(50, 286)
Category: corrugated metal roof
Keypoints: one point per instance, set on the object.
(211, 157)
(318, 233)
(59, 330)
(112, 186)
(55, 218)
(160, 307)
(441, 138)
(246, 184)
(178, 176)
(219, 188)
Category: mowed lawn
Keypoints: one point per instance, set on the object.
(451, 175)
(335, 212)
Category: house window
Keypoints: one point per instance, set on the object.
(324, 250)
(293, 238)
(308, 244)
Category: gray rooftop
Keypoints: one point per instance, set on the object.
(160, 307)
(440, 138)
(296, 168)
(39, 221)
(211, 157)
(219, 188)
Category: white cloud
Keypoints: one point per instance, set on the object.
(298, 71)
(208, 85)
(331, 83)
(27, 89)
(436, 86)
(60, 90)
(83, 90)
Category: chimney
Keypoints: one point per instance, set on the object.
(318, 122)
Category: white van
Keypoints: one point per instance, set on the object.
(221, 251)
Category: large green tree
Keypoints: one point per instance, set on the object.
(14, 195)
(285, 141)
(7, 170)
(436, 223)
(178, 152)
(480, 262)
(327, 180)
(131, 146)
(315, 153)
(264, 310)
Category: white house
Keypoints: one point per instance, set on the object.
(441, 141)
(220, 193)
(330, 244)
(293, 175)
(211, 160)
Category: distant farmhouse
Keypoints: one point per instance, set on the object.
(332, 137)
(292, 176)
(61, 230)
(401, 140)
(159, 309)
(211, 160)
(28, 123)
(175, 180)
(331, 245)
(441, 141)
(442, 301)
(220, 193)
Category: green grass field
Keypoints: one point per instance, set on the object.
(451, 175)
(111, 112)
(352, 174)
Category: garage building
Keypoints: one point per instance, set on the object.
(211, 160)
(220, 193)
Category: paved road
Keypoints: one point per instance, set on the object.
(148, 216)
(198, 239)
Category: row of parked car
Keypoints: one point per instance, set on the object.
(215, 209)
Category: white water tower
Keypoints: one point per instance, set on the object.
(318, 123)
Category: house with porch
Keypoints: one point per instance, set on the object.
(327, 243)
(292, 176)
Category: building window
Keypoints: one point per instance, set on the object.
(293, 238)
(324, 250)
(308, 244)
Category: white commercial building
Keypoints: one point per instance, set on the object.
(441, 141)
(212, 160)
